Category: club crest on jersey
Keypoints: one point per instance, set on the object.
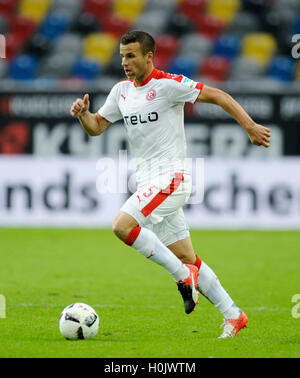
(151, 95)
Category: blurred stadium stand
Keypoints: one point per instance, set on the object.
(215, 41)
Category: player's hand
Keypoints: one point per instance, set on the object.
(80, 106)
(259, 135)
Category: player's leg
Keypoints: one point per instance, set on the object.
(211, 288)
(126, 227)
(122, 224)
(184, 250)
(175, 235)
(208, 283)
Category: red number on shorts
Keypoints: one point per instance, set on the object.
(150, 192)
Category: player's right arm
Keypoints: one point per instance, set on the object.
(258, 134)
(93, 123)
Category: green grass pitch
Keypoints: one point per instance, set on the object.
(141, 312)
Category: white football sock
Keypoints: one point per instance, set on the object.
(148, 244)
(211, 288)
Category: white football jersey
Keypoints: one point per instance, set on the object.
(153, 115)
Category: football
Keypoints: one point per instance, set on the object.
(78, 321)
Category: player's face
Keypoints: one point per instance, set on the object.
(134, 62)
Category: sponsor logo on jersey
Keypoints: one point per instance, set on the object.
(137, 119)
(188, 82)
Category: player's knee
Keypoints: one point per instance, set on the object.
(116, 228)
(120, 230)
(122, 225)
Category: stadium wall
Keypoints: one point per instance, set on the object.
(85, 192)
(40, 124)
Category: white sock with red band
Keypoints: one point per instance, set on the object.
(147, 243)
(211, 288)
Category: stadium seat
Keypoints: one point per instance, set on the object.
(4, 24)
(99, 47)
(153, 21)
(73, 7)
(285, 43)
(130, 10)
(163, 62)
(184, 65)
(296, 26)
(71, 42)
(255, 6)
(8, 7)
(23, 67)
(208, 25)
(3, 68)
(282, 25)
(166, 47)
(223, 10)
(272, 22)
(34, 9)
(293, 5)
(259, 46)
(215, 68)
(227, 45)
(245, 23)
(167, 44)
(57, 65)
(163, 6)
(13, 44)
(194, 44)
(282, 68)
(99, 8)
(192, 8)
(246, 69)
(85, 24)
(179, 25)
(55, 24)
(115, 25)
(22, 26)
(38, 45)
(86, 69)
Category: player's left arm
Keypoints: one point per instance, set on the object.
(258, 134)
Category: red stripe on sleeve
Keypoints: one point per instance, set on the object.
(199, 86)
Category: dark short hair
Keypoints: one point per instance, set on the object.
(146, 41)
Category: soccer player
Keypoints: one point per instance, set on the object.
(151, 104)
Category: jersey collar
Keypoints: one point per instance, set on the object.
(151, 76)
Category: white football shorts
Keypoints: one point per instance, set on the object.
(158, 206)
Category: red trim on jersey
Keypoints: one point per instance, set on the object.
(166, 75)
(163, 194)
(157, 74)
(132, 236)
(199, 86)
(151, 76)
